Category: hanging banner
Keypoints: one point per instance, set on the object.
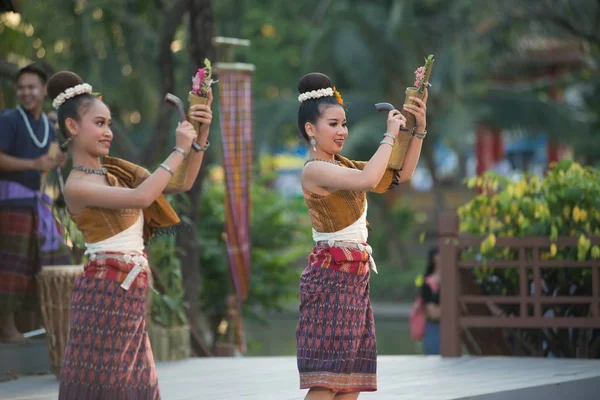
(235, 84)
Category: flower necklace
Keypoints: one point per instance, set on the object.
(44, 141)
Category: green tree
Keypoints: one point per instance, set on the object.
(530, 39)
(127, 47)
(280, 236)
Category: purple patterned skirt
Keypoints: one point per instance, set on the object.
(108, 354)
(336, 332)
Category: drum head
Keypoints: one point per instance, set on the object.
(61, 269)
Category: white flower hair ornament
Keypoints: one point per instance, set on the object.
(70, 93)
(316, 94)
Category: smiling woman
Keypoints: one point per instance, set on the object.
(335, 336)
(117, 206)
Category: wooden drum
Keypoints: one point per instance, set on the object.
(55, 285)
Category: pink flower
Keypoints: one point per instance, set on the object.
(419, 76)
(198, 80)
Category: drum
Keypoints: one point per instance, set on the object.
(55, 285)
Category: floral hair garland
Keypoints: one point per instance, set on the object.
(317, 94)
(70, 93)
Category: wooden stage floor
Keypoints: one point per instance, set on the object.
(400, 377)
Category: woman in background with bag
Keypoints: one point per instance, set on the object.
(430, 293)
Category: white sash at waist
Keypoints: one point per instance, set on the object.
(356, 234)
(130, 243)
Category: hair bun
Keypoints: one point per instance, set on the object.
(62, 81)
(314, 81)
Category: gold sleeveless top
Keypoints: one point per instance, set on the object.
(341, 209)
(97, 224)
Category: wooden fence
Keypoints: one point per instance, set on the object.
(455, 321)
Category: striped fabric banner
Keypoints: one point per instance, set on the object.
(236, 136)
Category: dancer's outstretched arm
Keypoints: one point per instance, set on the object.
(81, 192)
(203, 114)
(413, 153)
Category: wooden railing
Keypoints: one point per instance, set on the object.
(454, 321)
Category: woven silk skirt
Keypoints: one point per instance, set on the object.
(108, 354)
(21, 258)
(336, 347)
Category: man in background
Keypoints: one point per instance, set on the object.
(29, 234)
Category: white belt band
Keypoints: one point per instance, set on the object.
(140, 263)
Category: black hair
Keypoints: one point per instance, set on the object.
(310, 110)
(431, 261)
(75, 106)
(35, 69)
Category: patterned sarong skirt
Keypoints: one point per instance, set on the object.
(21, 258)
(336, 347)
(108, 354)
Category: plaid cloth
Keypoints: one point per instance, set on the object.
(351, 260)
(335, 337)
(108, 354)
(111, 266)
(236, 128)
(21, 258)
(236, 137)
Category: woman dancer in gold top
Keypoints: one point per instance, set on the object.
(336, 350)
(117, 205)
